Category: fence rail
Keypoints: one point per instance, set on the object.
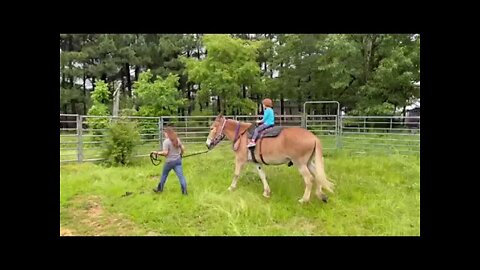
(82, 137)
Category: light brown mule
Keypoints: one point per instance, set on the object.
(294, 144)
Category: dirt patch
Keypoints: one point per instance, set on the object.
(91, 219)
(65, 232)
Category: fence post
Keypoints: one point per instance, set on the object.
(186, 126)
(339, 132)
(79, 139)
(160, 130)
(304, 120)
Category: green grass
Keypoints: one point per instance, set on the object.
(375, 195)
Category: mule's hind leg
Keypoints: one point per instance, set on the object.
(318, 192)
(307, 177)
(266, 187)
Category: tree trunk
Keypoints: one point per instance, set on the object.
(129, 80)
(198, 52)
(73, 102)
(137, 71)
(64, 83)
(70, 64)
(368, 46)
(244, 91)
(219, 109)
(189, 86)
(93, 83)
(84, 94)
(282, 105)
(122, 84)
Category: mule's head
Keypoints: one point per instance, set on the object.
(216, 132)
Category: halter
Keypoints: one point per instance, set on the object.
(220, 136)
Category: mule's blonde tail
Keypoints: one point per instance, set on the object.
(320, 171)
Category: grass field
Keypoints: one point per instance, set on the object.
(375, 195)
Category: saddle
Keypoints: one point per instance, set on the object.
(270, 132)
(267, 133)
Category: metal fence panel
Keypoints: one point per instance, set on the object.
(68, 138)
(391, 134)
(82, 138)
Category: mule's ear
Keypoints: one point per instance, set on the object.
(219, 116)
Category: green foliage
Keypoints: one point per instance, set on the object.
(101, 93)
(99, 108)
(121, 139)
(128, 112)
(358, 70)
(375, 195)
(230, 64)
(384, 109)
(158, 96)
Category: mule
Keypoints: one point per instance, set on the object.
(276, 146)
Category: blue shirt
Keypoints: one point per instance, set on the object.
(268, 118)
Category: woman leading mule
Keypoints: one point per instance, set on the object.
(294, 144)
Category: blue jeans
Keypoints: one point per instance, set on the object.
(259, 129)
(176, 165)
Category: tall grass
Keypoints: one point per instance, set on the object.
(375, 195)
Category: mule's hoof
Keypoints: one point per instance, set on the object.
(266, 194)
(302, 201)
(324, 198)
(231, 188)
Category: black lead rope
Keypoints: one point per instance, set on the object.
(194, 154)
(156, 161)
(153, 158)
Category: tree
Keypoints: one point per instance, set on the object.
(158, 96)
(100, 100)
(229, 64)
(393, 79)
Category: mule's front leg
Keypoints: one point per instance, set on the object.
(266, 187)
(238, 168)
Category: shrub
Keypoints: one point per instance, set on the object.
(120, 142)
